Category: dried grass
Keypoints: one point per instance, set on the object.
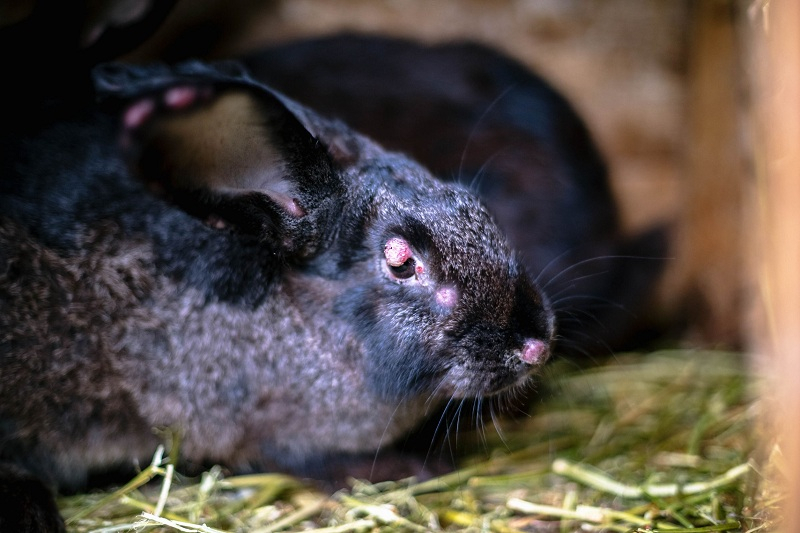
(668, 441)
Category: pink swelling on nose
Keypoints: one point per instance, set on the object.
(534, 352)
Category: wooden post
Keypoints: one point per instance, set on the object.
(775, 30)
(706, 282)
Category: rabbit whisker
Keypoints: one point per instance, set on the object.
(441, 424)
(571, 285)
(550, 263)
(591, 260)
(596, 299)
(383, 435)
(477, 179)
(479, 423)
(475, 127)
(497, 426)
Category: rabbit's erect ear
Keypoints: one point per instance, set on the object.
(236, 155)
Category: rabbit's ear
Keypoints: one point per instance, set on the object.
(236, 156)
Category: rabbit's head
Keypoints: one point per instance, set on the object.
(439, 299)
(413, 269)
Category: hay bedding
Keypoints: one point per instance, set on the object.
(667, 441)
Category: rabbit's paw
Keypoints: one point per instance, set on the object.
(26, 505)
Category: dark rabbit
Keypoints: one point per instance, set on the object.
(198, 252)
(473, 115)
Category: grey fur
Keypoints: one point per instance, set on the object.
(297, 347)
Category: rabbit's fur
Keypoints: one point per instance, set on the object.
(477, 116)
(221, 265)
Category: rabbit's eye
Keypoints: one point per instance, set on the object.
(404, 271)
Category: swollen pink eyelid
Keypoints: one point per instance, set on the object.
(397, 251)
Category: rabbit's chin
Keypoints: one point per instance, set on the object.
(461, 383)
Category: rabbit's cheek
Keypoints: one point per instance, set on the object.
(446, 297)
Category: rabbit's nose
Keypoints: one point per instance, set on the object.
(534, 352)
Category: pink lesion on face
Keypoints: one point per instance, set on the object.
(447, 297)
(397, 252)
